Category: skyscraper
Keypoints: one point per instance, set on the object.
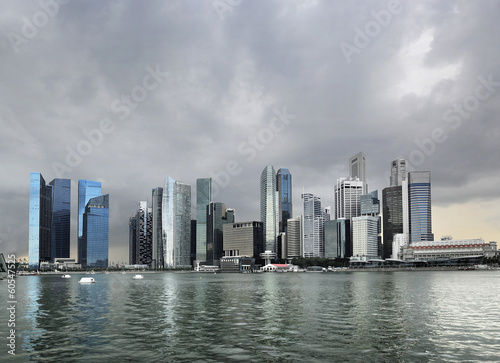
(40, 221)
(357, 169)
(176, 223)
(61, 218)
(392, 217)
(157, 256)
(338, 238)
(269, 208)
(284, 185)
(203, 198)
(366, 228)
(348, 193)
(294, 237)
(312, 226)
(87, 189)
(419, 204)
(95, 238)
(143, 240)
(217, 216)
(399, 172)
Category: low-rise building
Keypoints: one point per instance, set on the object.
(448, 248)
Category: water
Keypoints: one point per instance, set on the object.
(371, 316)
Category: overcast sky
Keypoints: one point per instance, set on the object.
(126, 92)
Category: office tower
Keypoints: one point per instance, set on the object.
(132, 240)
(312, 226)
(40, 221)
(419, 205)
(357, 169)
(95, 228)
(284, 185)
(176, 223)
(87, 189)
(157, 256)
(192, 257)
(61, 218)
(392, 217)
(217, 216)
(294, 237)
(399, 171)
(338, 238)
(143, 254)
(243, 239)
(203, 198)
(348, 193)
(269, 208)
(365, 237)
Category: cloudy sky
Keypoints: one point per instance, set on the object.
(126, 92)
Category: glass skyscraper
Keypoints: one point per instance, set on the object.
(95, 238)
(217, 216)
(399, 172)
(87, 189)
(61, 217)
(203, 199)
(313, 224)
(40, 221)
(284, 185)
(392, 217)
(157, 196)
(176, 223)
(419, 203)
(269, 208)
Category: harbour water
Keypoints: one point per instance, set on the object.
(404, 316)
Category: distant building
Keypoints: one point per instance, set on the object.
(61, 218)
(217, 216)
(365, 237)
(357, 169)
(400, 240)
(399, 172)
(237, 264)
(132, 240)
(203, 199)
(95, 239)
(348, 192)
(294, 237)
(243, 239)
(269, 207)
(338, 238)
(447, 248)
(87, 189)
(142, 241)
(284, 187)
(156, 206)
(392, 217)
(176, 224)
(313, 244)
(419, 203)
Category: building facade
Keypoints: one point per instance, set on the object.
(419, 204)
(448, 248)
(217, 216)
(243, 239)
(284, 185)
(61, 218)
(157, 252)
(95, 239)
(203, 199)
(294, 237)
(399, 172)
(87, 189)
(312, 226)
(348, 192)
(357, 169)
(365, 237)
(40, 221)
(269, 208)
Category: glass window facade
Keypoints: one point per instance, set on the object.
(419, 203)
(61, 218)
(392, 217)
(87, 189)
(269, 212)
(40, 220)
(284, 185)
(203, 199)
(95, 237)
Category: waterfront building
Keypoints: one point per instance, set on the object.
(192, 258)
(400, 240)
(284, 187)
(312, 226)
(338, 238)
(269, 208)
(61, 218)
(132, 240)
(294, 238)
(365, 238)
(40, 221)
(419, 204)
(347, 197)
(399, 172)
(392, 217)
(357, 169)
(87, 189)
(203, 198)
(176, 223)
(243, 239)
(95, 238)
(217, 216)
(143, 239)
(237, 264)
(157, 253)
(448, 248)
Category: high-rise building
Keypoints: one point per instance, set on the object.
(284, 185)
(243, 239)
(132, 240)
(217, 216)
(87, 189)
(294, 237)
(157, 256)
(176, 223)
(338, 238)
(312, 226)
(203, 198)
(419, 205)
(61, 218)
(142, 242)
(95, 238)
(269, 208)
(365, 237)
(348, 193)
(40, 221)
(357, 169)
(399, 172)
(392, 217)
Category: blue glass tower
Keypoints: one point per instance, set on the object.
(284, 185)
(61, 216)
(203, 199)
(87, 189)
(419, 204)
(40, 218)
(95, 239)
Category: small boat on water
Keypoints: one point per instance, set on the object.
(87, 280)
(138, 277)
(66, 276)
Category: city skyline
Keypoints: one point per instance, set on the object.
(152, 88)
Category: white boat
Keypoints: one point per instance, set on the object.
(66, 276)
(87, 280)
(138, 277)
